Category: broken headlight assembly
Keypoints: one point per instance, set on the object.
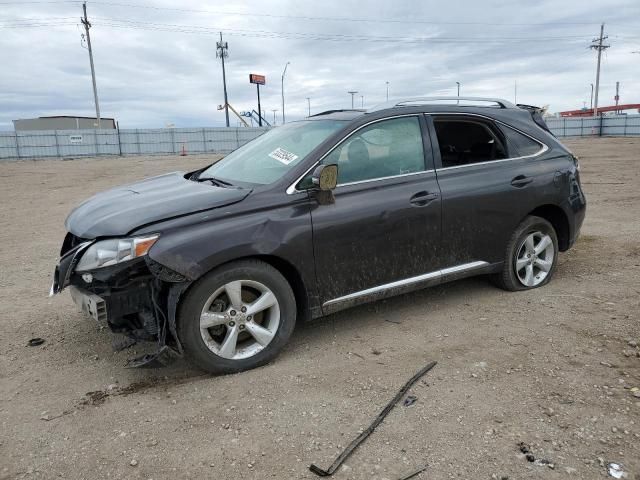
(105, 253)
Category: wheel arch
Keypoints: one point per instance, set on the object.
(288, 271)
(558, 219)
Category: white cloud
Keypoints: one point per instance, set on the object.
(148, 77)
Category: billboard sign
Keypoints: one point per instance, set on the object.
(255, 78)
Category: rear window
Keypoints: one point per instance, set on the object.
(519, 145)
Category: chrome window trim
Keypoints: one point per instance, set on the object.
(383, 178)
(292, 188)
(543, 146)
(406, 282)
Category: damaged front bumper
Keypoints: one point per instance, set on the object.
(137, 299)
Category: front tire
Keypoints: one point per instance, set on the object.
(531, 256)
(237, 317)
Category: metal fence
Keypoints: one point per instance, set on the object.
(163, 141)
(615, 125)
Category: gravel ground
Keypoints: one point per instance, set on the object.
(556, 368)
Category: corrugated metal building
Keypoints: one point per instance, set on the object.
(62, 122)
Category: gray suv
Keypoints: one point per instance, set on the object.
(341, 208)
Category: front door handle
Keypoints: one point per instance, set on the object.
(521, 181)
(421, 199)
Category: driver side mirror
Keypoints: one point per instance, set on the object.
(325, 177)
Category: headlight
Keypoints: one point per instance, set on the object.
(117, 250)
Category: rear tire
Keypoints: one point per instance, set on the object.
(531, 256)
(237, 317)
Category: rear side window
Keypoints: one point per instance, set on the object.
(519, 145)
(467, 141)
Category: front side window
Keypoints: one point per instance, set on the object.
(267, 158)
(467, 141)
(384, 149)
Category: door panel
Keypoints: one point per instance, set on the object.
(483, 202)
(375, 234)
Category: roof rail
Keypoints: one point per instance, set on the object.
(412, 102)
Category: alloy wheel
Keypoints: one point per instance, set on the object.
(534, 259)
(240, 319)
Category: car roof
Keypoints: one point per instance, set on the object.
(479, 105)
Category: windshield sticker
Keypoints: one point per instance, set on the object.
(283, 156)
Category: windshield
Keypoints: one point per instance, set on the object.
(271, 155)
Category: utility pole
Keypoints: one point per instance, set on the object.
(222, 51)
(591, 102)
(617, 95)
(309, 105)
(353, 92)
(274, 110)
(387, 90)
(458, 101)
(87, 25)
(282, 89)
(597, 44)
(361, 101)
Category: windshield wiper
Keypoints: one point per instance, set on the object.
(216, 181)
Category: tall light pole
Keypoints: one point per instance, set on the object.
(274, 110)
(458, 101)
(352, 92)
(591, 102)
(87, 25)
(597, 44)
(282, 89)
(309, 105)
(222, 52)
(387, 90)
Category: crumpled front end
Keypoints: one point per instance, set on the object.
(137, 299)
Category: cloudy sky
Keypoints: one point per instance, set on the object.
(156, 64)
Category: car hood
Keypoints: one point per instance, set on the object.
(122, 209)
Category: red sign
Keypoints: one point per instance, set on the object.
(255, 78)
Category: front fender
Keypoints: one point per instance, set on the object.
(283, 232)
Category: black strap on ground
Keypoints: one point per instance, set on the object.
(414, 473)
(362, 437)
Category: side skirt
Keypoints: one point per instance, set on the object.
(409, 285)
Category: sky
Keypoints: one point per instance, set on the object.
(156, 62)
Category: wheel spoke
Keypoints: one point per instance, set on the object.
(528, 244)
(521, 263)
(212, 319)
(261, 334)
(528, 279)
(543, 244)
(265, 301)
(234, 292)
(228, 346)
(544, 265)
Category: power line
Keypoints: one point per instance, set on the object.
(325, 18)
(132, 24)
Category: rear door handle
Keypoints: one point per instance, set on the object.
(421, 199)
(521, 181)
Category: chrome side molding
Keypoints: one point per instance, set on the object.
(406, 283)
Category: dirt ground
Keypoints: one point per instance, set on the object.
(555, 368)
